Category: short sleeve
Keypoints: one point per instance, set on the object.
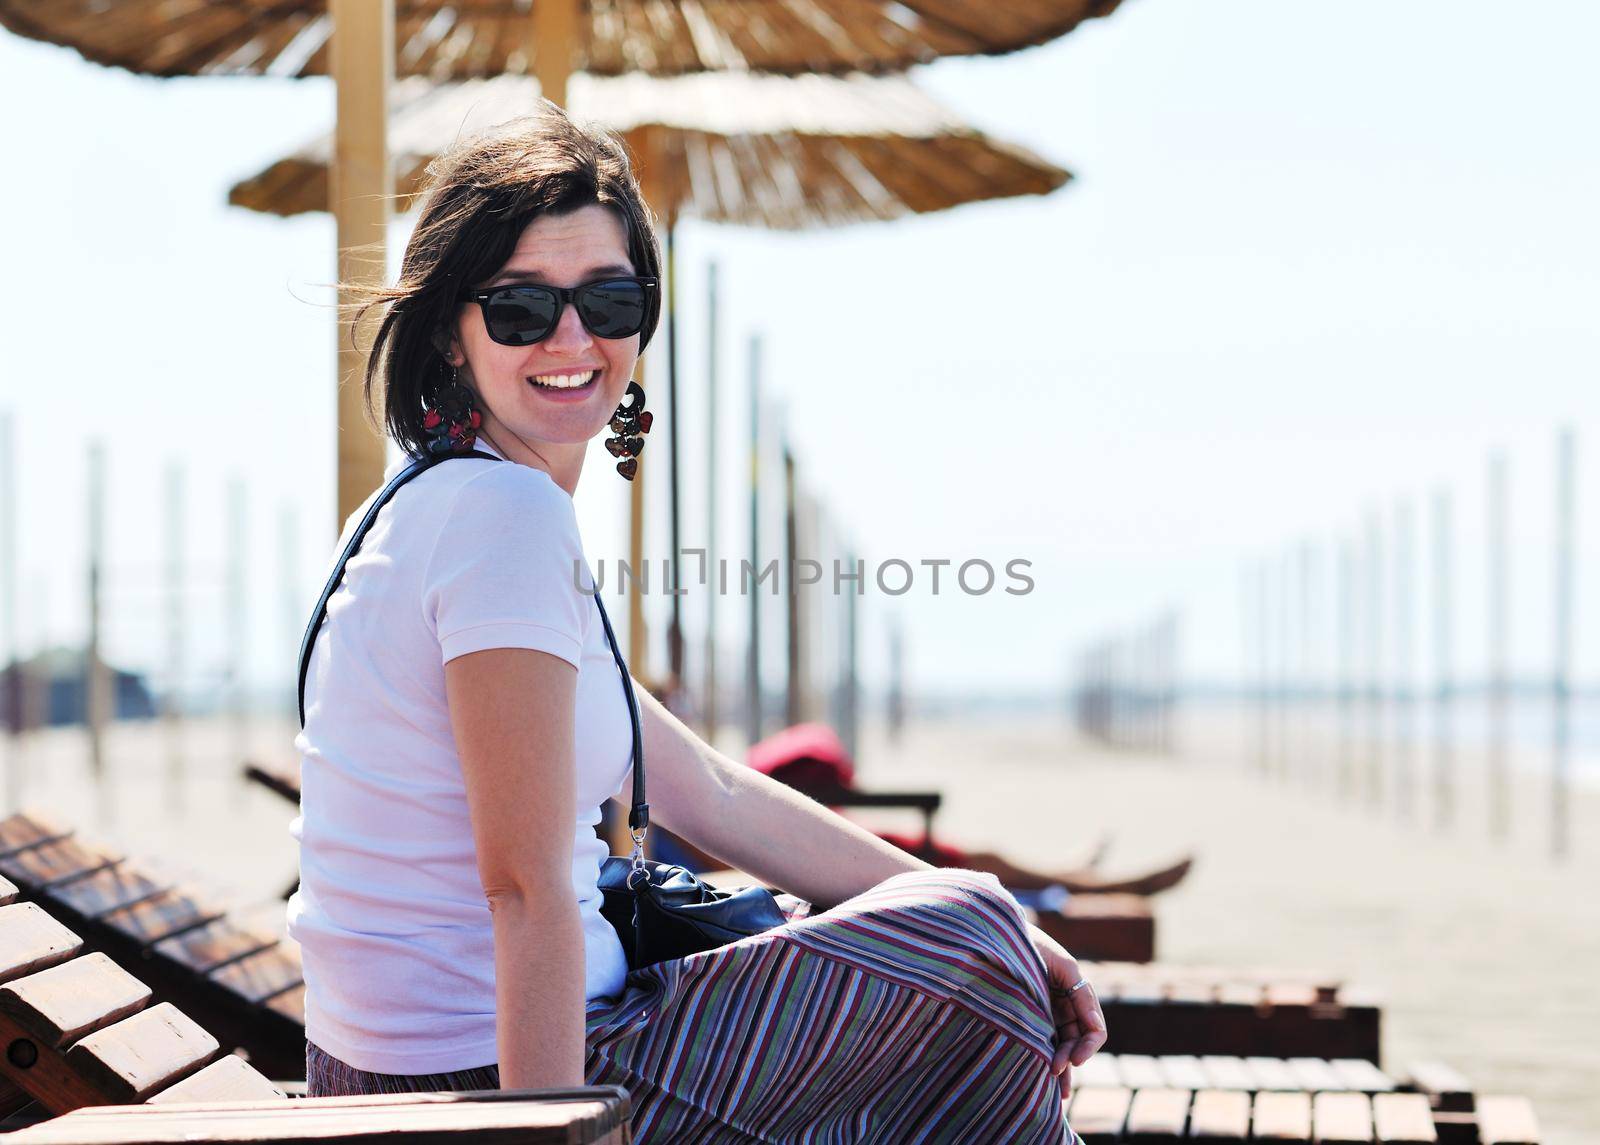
(505, 568)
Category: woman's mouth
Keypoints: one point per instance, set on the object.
(570, 385)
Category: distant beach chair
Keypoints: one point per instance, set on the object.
(244, 985)
(812, 759)
(1168, 1008)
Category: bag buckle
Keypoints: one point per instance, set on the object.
(638, 834)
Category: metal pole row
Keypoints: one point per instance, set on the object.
(1374, 691)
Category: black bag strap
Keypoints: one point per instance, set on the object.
(639, 813)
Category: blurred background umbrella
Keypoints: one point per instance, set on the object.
(762, 151)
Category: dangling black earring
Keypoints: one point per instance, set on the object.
(630, 423)
(449, 420)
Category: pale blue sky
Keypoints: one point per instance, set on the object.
(1318, 256)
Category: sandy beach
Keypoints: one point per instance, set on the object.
(1483, 956)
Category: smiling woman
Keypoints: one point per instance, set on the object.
(463, 725)
(562, 262)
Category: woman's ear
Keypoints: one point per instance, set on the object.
(444, 342)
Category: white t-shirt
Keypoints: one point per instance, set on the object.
(390, 915)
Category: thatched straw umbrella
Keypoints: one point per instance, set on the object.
(768, 151)
(444, 40)
(762, 151)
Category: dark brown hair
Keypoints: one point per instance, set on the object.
(476, 200)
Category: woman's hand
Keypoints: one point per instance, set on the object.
(1080, 1024)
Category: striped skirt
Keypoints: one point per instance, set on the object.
(917, 1011)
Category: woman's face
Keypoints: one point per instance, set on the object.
(516, 384)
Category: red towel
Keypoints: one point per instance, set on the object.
(805, 755)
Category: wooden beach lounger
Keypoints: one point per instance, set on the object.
(79, 1030)
(1160, 1008)
(1230, 1117)
(1238, 1074)
(244, 985)
(1108, 928)
(85, 1039)
(594, 1115)
(1132, 1097)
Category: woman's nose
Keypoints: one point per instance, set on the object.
(569, 336)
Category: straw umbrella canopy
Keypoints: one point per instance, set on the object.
(763, 151)
(444, 40)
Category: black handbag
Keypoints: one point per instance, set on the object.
(660, 911)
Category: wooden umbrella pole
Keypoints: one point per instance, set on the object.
(675, 625)
(709, 696)
(363, 66)
(794, 703)
(645, 144)
(554, 31)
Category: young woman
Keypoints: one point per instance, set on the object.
(465, 720)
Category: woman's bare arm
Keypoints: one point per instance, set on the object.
(755, 823)
(512, 711)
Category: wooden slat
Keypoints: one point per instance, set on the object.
(205, 948)
(8, 891)
(226, 1079)
(108, 890)
(1191, 990)
(291, 1003)
(1282, 1117)
(31, 940)
(1100, 1111)
(154, 919)
(1362, 1076)
(1099, 1072)
(1224, 1072)
(1316, 1075)
(1341, 1119)
(60, 1005)
(1221, 1117)
(1403, 1119)
(1447, 1090)
(1158, 1114)
(49, 864)
(1182, 1071)
(262, 975)
(1140, 1071)
(1290, 994)
(28, 829)
(1271, 1074)
(596, 1114)
(1507, 1121)
(153, 1049)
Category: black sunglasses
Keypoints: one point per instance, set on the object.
(523, 313)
